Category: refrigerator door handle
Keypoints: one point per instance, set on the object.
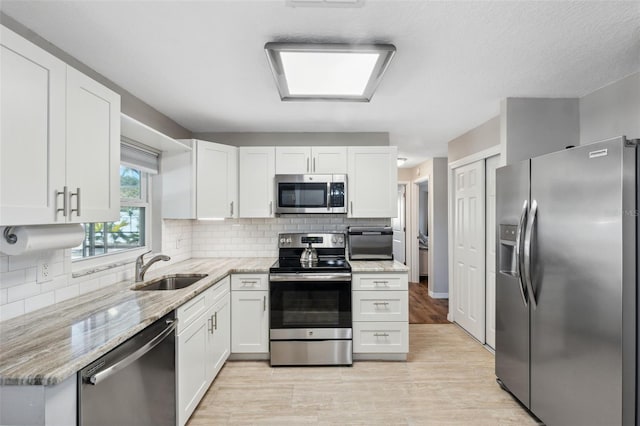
(527, 251)
(518, 246)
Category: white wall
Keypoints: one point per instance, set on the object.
(20, 293)
(438, 233)
(537, 126)
(611, 111)
(423, 209)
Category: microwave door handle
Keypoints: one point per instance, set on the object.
(329, 196)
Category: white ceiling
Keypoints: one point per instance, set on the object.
(202, 63)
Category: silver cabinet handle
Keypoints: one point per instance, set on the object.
(381, 334)
(381, 283)
(77, 209)
(521, 224)
(381, 303)
(65, 206)
(351, 203)
(307, 164)
(98, 377)
(247, 283)
(231, 212)
(314, 165)
(270, 207)
(210, 321)
(527, 251)
(264, 303)
(215, 321)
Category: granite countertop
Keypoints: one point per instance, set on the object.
(51, 344)
(377, 266)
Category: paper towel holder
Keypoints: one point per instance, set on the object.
(9, 235)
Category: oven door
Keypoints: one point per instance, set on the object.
(305, 302)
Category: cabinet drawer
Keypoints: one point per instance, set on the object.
(380, 281)
(190, 311)
(380, 337)
(195, 307)
(250, 282)
(218, 290)
(380, 306)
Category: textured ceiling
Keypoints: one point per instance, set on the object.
(202, 62)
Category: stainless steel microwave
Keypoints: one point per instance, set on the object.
(311, 194)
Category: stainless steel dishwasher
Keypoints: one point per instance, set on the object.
(135, 383)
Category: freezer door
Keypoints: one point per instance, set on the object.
(512, 311)
(576, 275)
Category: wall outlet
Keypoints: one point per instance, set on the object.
(44, 271)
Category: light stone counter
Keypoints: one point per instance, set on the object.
(49, 345)
(377, 266)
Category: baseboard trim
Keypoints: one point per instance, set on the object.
(249, 357)
(438, 295)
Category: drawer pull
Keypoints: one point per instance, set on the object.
(215, 321)
(381, 303)
(210, 321)
(381, 334)
(381, 282)
(246, 283)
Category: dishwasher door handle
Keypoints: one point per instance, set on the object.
(98, 377)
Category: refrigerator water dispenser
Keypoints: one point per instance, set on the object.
(507, 256)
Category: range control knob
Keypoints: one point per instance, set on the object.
(341, 240)
(334, 239)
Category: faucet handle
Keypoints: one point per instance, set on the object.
(141, 257)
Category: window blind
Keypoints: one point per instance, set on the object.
(139, 158)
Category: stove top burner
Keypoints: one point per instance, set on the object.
(323, 265)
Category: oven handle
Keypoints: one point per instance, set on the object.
(310, 277)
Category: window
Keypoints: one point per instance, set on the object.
(130, 231)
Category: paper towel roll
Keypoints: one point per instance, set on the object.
(41, 237)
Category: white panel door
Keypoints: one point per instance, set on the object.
(257, 170)
(399, 227)
(490, 169)
(32, 126)
(469, 248)
(93, 149)
(249, 321)
(373, 181)
(329, 159)
(216, 182)
(293, 160)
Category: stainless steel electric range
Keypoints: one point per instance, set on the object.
(310, 301)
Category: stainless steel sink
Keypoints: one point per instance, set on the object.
(172, 282)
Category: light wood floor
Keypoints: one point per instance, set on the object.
(447, 380)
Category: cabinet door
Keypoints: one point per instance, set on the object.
(250, 322)
(373, 181)
(179, 184)
(32, 126)
(257, 170)
(219, 340)
(216, 181)
(192, 367)
(293, 160)
(329, 159)
(93, 149)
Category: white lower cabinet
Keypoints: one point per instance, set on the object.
(203, 345)
(250, 314)
(380, 304)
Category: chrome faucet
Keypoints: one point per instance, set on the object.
(141, 268)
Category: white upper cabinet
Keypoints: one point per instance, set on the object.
(201, 183)
(60, 130)
(93, 150)
(373, 181)
(257, 170)
(317, 159)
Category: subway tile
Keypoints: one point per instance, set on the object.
(22, 291)
(23, 261)
(11, 310)
(12, 278)
(39, 301)
(3, 296)
(30, 274)
(56, 283)
(4, 263)
(67, 293)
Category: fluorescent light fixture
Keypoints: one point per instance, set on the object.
(328, 72)
(401, 161)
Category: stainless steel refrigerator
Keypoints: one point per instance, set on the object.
(566, 299)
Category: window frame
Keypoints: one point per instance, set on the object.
(124, 256)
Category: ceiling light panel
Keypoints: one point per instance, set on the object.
(330, 72)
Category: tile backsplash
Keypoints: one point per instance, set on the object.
(259, 237)
(20, 292)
